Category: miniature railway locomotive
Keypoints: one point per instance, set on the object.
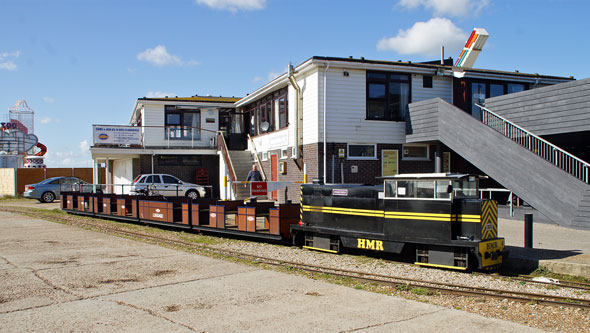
(439, 216)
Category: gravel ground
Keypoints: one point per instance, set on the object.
(550, 318)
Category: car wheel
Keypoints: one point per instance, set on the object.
(192, 194)
(47, 197)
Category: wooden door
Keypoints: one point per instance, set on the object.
(274, 173)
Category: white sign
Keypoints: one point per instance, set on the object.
(119, 135)
(17, 141)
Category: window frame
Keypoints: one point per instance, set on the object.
(435, 184)
(348, 157)
(390, 77)
(184, 132)
(405, 158)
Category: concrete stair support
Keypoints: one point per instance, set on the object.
(555, 193)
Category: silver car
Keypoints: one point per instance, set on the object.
(166, 185)
(49, 189)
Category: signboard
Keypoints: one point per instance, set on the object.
(258, 188)
(17, 141)
(116, 135)
(389, 163)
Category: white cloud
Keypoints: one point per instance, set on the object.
(233, 5)
(7, 60)
(158, 56)
(84, 147)
(448, 7)
(45, 120)
(256, 79)
(157, 94)
(49, 100)
(425, 38)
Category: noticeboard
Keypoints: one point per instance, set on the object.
(116, 135)
(389, 162)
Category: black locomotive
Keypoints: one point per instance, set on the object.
(439, 216)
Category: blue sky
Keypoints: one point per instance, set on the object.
(79, 63)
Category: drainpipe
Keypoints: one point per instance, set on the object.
(324, 121)
(298, 125)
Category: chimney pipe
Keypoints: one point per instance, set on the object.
(442, 55)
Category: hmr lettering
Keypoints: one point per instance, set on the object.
(369, 244)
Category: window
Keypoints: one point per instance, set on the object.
(482, 90)
(426, 81)
(388, 96)
(179, 160)
(284, 153)
(265, 156)
(283, 115)
(515, 87)
(362, 152)
(182, 124)
(269, 113)
(169, 180)
(416, 152)
(417, 189)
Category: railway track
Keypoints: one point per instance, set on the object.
(393, 281)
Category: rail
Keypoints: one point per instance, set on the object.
(257, 158)
(542, 148)
(130, 188)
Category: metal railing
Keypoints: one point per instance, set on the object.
(542, 148)
(222, 146)
(132, 189)
(171, 136)
(261, 169)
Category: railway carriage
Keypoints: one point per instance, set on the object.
(439, 217)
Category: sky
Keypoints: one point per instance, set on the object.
(79, 63)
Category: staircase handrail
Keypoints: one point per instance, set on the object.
(225, 153)
(256, 158)
(557, 156)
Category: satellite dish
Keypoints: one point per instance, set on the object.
(264, 126)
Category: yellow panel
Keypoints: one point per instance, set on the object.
(440, 266)
(490, 247)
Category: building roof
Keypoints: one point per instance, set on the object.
(212, 99)
(434, 65)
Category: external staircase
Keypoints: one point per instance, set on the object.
(548, 178)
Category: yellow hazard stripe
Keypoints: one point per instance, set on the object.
(440, 266)
(319, 249)
(393, 215)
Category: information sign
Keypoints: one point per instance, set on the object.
(116, 135)
(389, 163)
(258, 188)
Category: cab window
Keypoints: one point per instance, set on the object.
(465, 188)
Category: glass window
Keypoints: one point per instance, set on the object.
(169, 180)
(496, 90)
(416, 152)
(478, 96)
(361, 151)
(425, 189)
(515, 87)
(442, 189)
(152, 179)
(406, 189)
(183, 125)
(426, 81)
(143, 179)
(283, 112)
(54, 182)
(388, 96)
(390, 189)
(465, 188)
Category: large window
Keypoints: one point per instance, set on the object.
(388, 96)
(269, 113)
(482, 90)
(182, 124)
(416, 152)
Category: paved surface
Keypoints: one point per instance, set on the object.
(60, 278)
(559, 249)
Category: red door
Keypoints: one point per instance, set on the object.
(274, 173)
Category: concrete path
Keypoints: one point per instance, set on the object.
(60, 278)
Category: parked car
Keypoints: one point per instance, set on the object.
(166, 185)
(50, 189)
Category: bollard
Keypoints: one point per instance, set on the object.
(528, 231)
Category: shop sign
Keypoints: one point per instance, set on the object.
(118, 135)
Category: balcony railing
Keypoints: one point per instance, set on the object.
(153, 136)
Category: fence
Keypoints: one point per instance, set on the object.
(14, 180)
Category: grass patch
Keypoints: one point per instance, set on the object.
(420, 291)
(543, 271)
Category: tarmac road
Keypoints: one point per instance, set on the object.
(55, 277)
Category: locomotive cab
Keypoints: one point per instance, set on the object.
(439, 216)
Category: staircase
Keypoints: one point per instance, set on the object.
(553, 183)
(242, 162)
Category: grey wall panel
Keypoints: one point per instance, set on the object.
(557, 109)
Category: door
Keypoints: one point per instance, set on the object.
(274, 173)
